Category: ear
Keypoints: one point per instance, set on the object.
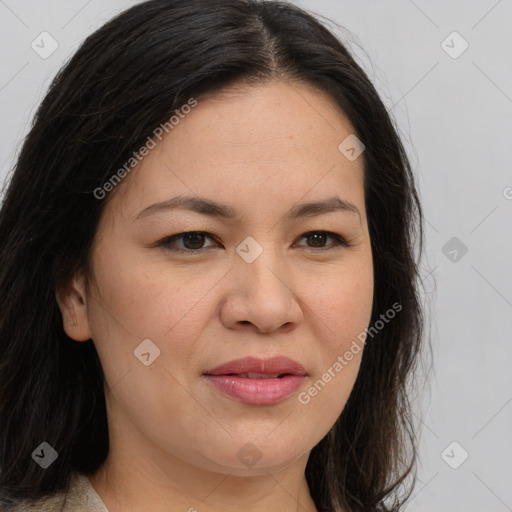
(72, 300)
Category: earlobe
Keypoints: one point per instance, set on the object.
(72, 300)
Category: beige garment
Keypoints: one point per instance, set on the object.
(81, 497)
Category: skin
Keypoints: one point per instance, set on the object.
(174, 438)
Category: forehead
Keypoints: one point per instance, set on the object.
(250, 143)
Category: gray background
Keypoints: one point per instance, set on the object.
(454, 114)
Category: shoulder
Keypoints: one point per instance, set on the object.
(80, 496)
(54, 503)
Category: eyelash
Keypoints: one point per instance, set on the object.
(339, 241)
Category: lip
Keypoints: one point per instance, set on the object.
(278, 364)
(231, 379)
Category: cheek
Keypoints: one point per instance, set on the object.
(342, 303)
(147, 298)
(138, 303)
(341, 311)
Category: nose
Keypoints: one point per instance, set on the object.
(260, 296)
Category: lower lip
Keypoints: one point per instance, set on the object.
(257, 391)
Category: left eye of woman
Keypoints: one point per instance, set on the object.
(319, 236)
(192, 241)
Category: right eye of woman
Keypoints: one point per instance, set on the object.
(192, 241)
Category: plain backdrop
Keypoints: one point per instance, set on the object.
(443, 69)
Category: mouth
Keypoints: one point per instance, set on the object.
(256, 381)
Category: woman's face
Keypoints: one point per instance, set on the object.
(255, 284)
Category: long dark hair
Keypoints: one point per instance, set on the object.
(126, 79)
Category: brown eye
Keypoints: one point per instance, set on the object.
(192, 241)
(317, 240)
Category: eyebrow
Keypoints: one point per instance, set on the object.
(211, 208)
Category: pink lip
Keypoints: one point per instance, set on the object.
(258, 391)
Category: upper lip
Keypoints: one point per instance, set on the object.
(279, 364)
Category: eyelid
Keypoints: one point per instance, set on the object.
(339, 241)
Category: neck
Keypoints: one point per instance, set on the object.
(128, 487)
